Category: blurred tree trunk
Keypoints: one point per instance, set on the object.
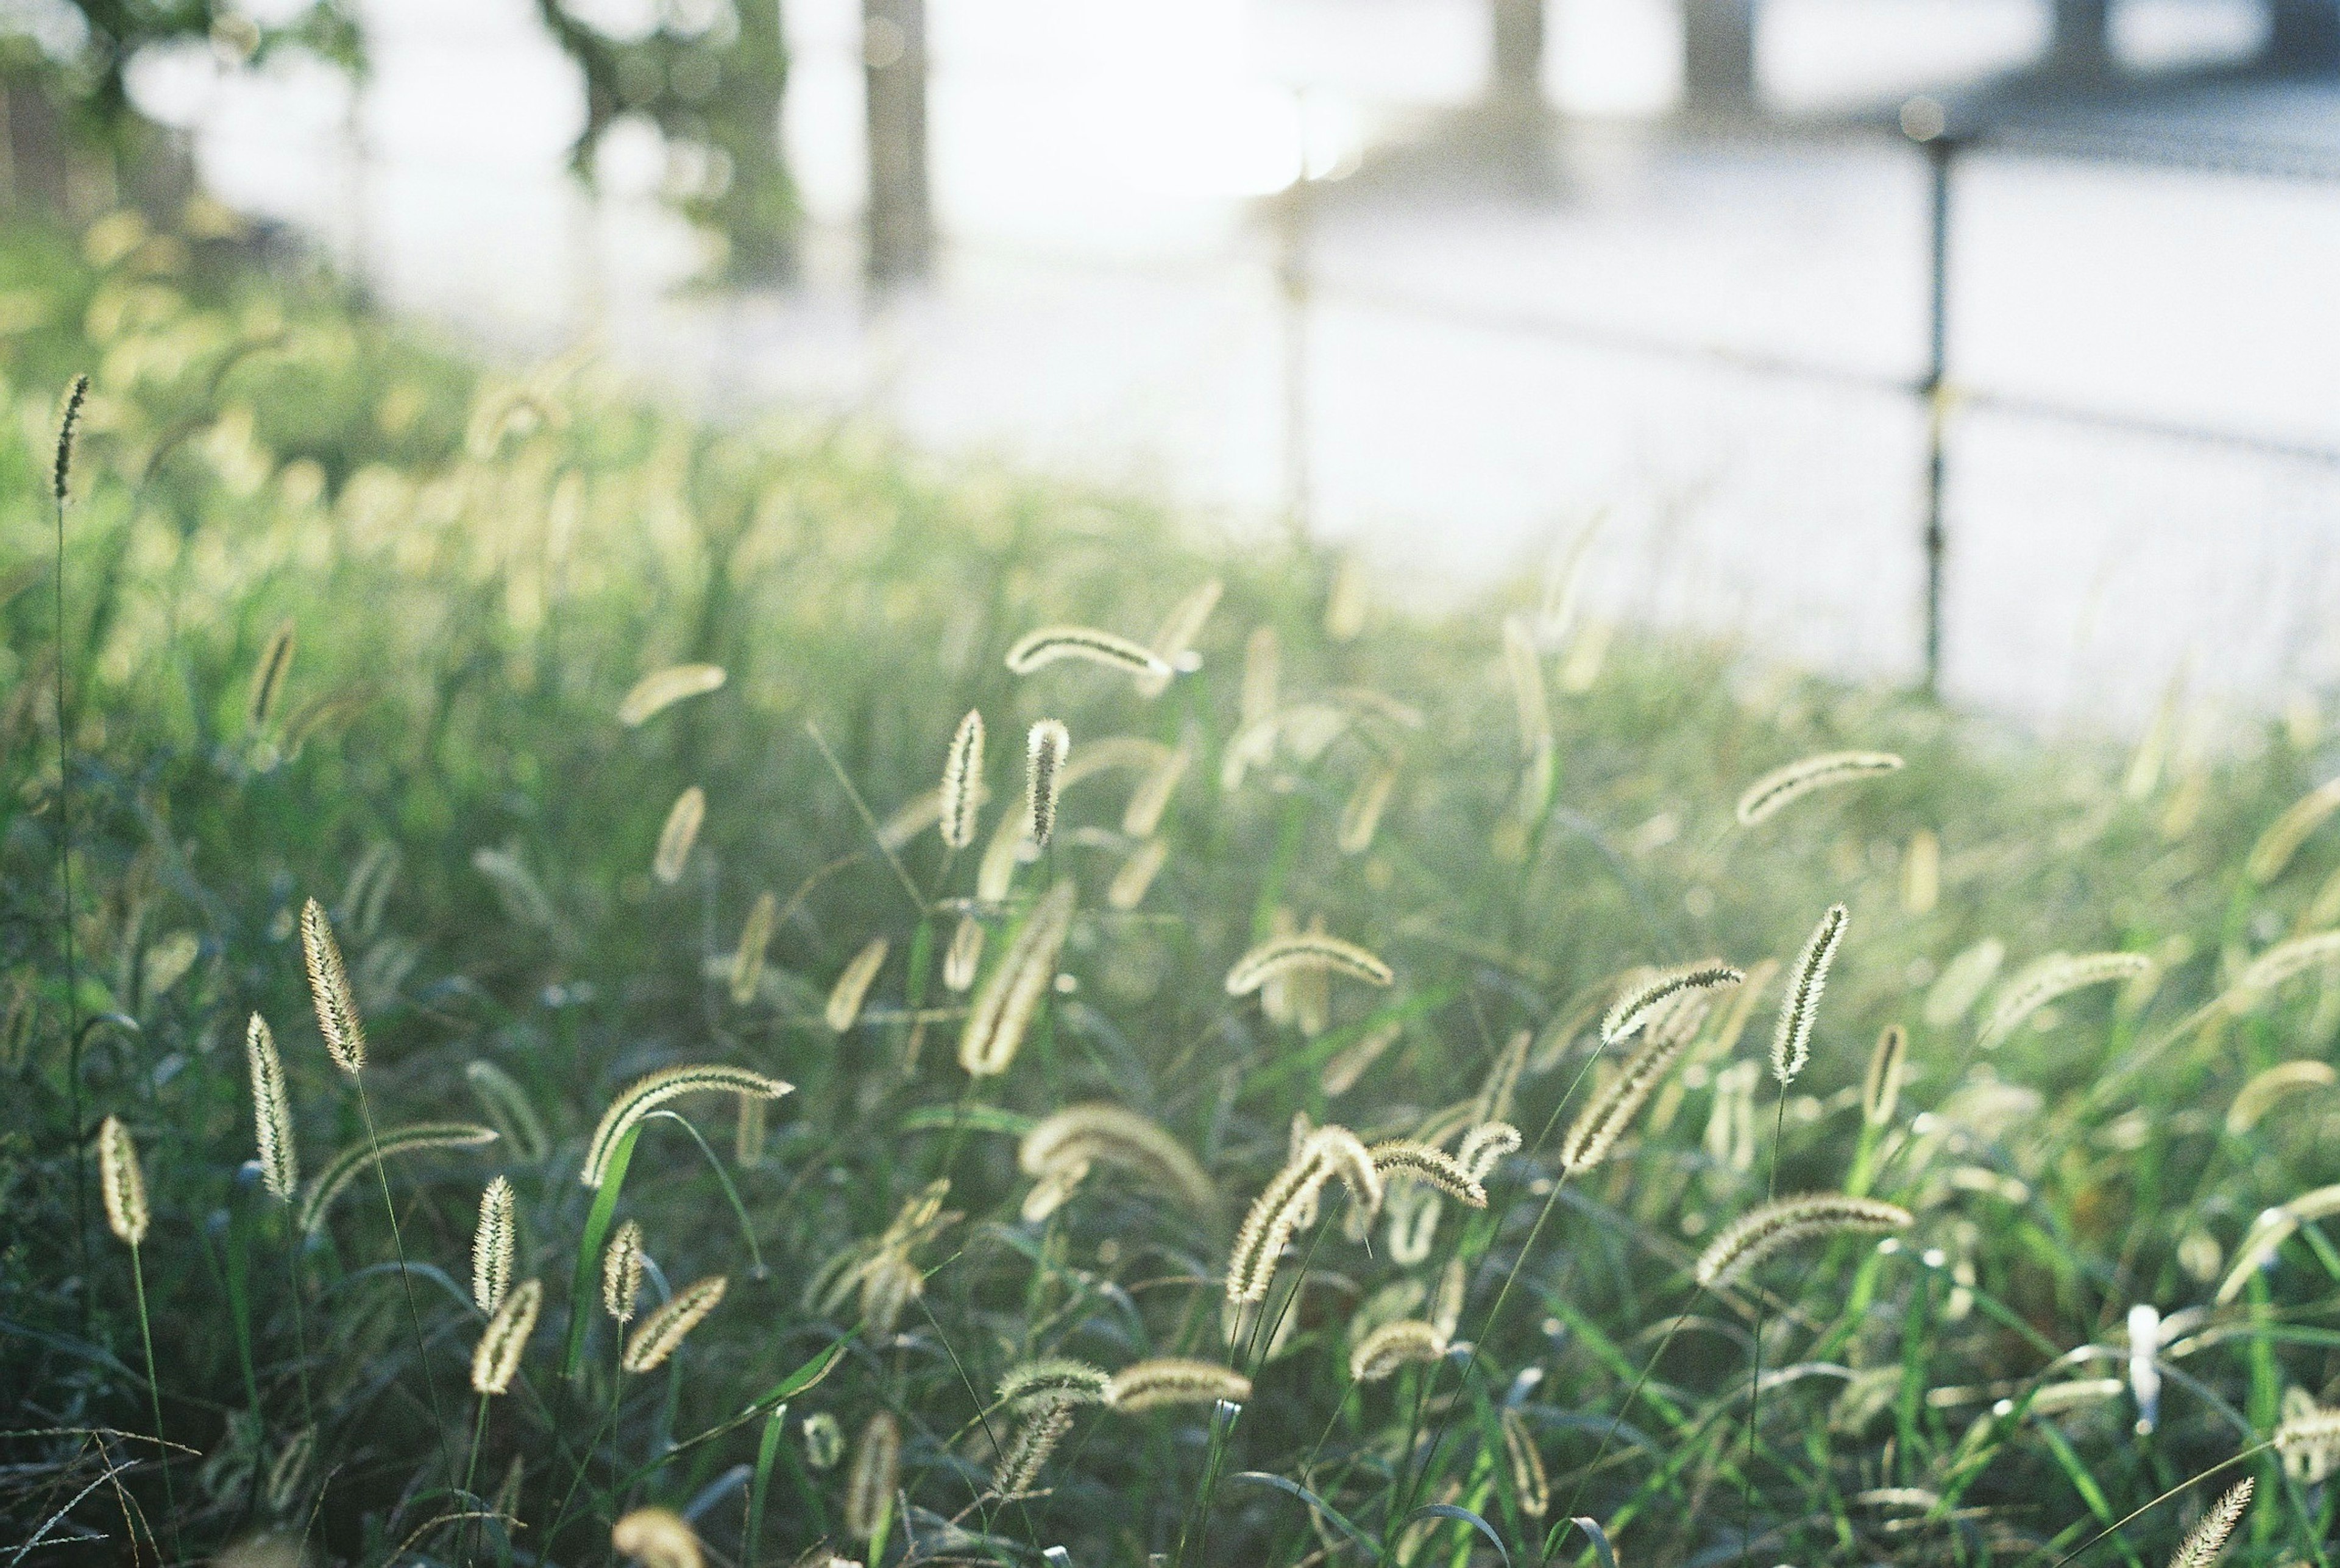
(2081, 44)
(1718, 56)
(2302, 36)
(900, 220)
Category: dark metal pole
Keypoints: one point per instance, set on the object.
(1939, 150)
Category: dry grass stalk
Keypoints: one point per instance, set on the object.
(664, 1330)
(272, 1112)
(646, 1094)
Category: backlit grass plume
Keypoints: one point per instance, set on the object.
(658, 1538)
(2208, 1540)
(1175, 1380)
(268, 677)
(2286, 833)
(272, 1112)
(506, 1105)
(2269, 1231)
(1781, 786)
(877, 1472)
(1528, 1478)
(661, 689)
(492, 1244)
(1486, 1146)
(1151, 799)
(845, 998)
(646, 1094)
(123, 1184)
(1379, 1354)
(755, 943)
(2265, 1088)
(1881, 1091)
(1305, 950)
(1175, 640)
(1593, 1134)
(1037, 650)
(1405, 1160)
(496, 1357)
(664, 1330)
(2281, 962)
(964, 958)
(1044, 749)
(621, 1271)
(1792, 1040)
(1004, 1008)
(962, 788)
(1052, 1380)
(358, 1158)
(1136, 874)
(1785, 1222)
(1289, 1201)
(680, 833)
(1635, 1006)
(1100, 1133)
(2052, 978)
(329, 991)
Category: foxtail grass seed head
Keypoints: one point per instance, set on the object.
(1101, 1133)
(1526, 667)
(268, 679)
(2308, 1438)
(965, 955)
(1881, 1092)
(1361, 814)
(272, 1112)
(1037, 650)
(1382, 1352)
(2284, 1078)
(1781, 786)
(1636, 1004)
(1784, 1222)
(1029, 1449)
(680, 833)
(1404, 1160)
(663, 1331)
(60, 474)
(646, 1094)
(1173, 645)
(1053, 1380)
(497, 1356)
(1921, 872)
(1263, 658)
(1301, 951)
(962, 793)
(1342, 1073)
(755, 943)
(660, 690)
(2208, 1540)
(658, 1538)
(877, 1472)
(1175, 1380)
(2283, 836)
(492, 1245)
(505, 1104)
(1004, 1008)
(1044, 749)
(1344, 601)
(1289, 1201)
(1486, 1146)
(1151, 799)
(124, 1184)
(621, 1271)
(2052, 978)
(1961, 982)
(2269, 1231)
(1136, 874)
(1594, 1134)
(329, 991)
(845, 998)
(1791, 1042)
(824, 1439)
(1528, 1477)
(364, 1156)
(2282, 962)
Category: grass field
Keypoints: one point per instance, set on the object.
(346, 619)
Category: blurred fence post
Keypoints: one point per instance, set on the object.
(901, 222)
(1292, 280)
(1940, 151)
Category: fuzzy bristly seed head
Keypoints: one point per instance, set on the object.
(122, 1181)
(1004, 1008)
(1037, 650)
(2207, 1538)
(661, 689)
(1380, 1353)
(1305, 950)
(1791, 1042)
(329, 991)
(272, 1112)
(621, 1271)
(658, 1538)
(845, 998)
(1528, 1476)
(505, 1339)
(663, 1331)
(1767, 1227)
(1175, 1380)
(1776, 789)
(1102, 1134)
(1052, 1380)
(1636, 1006)
(1046, 747)
(366, 1152)
(268, 677)
(492, 1245)
(680, 833)
(1404, 1160)
(61, 473)
(877, 1472)
(646, 1094)
(2051, 978)
(1881, 1092)
(962, 790)
(755, 943)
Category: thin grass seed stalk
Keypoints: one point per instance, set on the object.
(1004, 1008)
(329, 991)
(962, 788)
(1037, 650)
(494, 1242)
(1175, 642)
(2051, 978)
(1305, 950)
(646, 1094)
(1634, 1007)
(1045, 748)
(877, 1472)
(1791, 1041)
(1175, 1380)
(845, 998)
(1785, 1222)
(678, 835)
(1782, 786)
(621, 1271)
(496, 1358)
(660, 690)
(272, 1112)
(123, 1184)
(664, 1330)
(360, 1157)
